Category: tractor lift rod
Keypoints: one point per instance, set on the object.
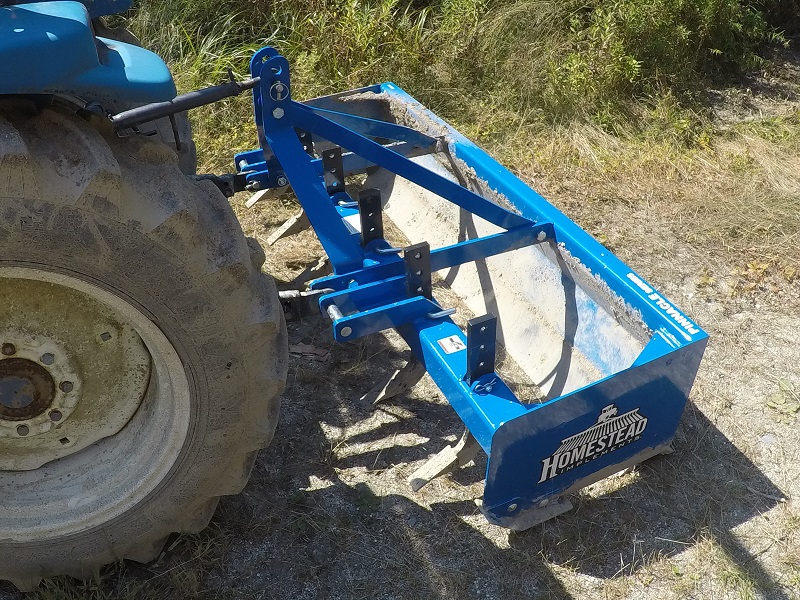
(157, 110)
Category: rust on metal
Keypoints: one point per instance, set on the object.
(26, 389)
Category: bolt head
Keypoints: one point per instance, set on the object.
(278, 113)
(544, 503)
(346, 332)
(282, 181)
(9, 349)
(512, 507)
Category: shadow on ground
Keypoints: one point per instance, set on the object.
(327, 516)
(321, 525)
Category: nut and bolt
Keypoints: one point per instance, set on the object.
(512, 507)
(8, 349)
(56, 416)
(277, 112)
(23, 430)
(282, 181)
(47, 358)
(276, 92)
(66, 387)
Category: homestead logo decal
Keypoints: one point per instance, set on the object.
(611, 432)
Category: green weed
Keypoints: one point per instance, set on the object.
(544, 61)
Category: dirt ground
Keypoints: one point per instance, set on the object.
(328, 513)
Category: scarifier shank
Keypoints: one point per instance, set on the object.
(614, 357)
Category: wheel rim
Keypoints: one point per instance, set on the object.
(94, 405)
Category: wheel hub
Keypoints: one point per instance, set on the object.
(26, 389)
(72, 371)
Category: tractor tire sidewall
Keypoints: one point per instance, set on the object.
(119, 215)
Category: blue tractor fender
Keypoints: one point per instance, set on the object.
(50, 48)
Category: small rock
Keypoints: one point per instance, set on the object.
(769, 439)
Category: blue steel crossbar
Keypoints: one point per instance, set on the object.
(374, 128)
(445, 257)
(256, 169)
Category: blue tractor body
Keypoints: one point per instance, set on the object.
(50, 48)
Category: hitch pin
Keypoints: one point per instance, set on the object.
(484, 388)
(442, 313)
(334, 312)
(389, 250)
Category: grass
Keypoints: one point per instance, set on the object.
(621, 83)
(623, 65)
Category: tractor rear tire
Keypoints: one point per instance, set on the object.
(143, 351)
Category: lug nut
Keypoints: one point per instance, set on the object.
(8, 349)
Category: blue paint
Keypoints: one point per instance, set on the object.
(70, 60)
(101, 8)
(523, 460)
(445, 257)
(376, 129)
(385, 316)
(534, 450)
